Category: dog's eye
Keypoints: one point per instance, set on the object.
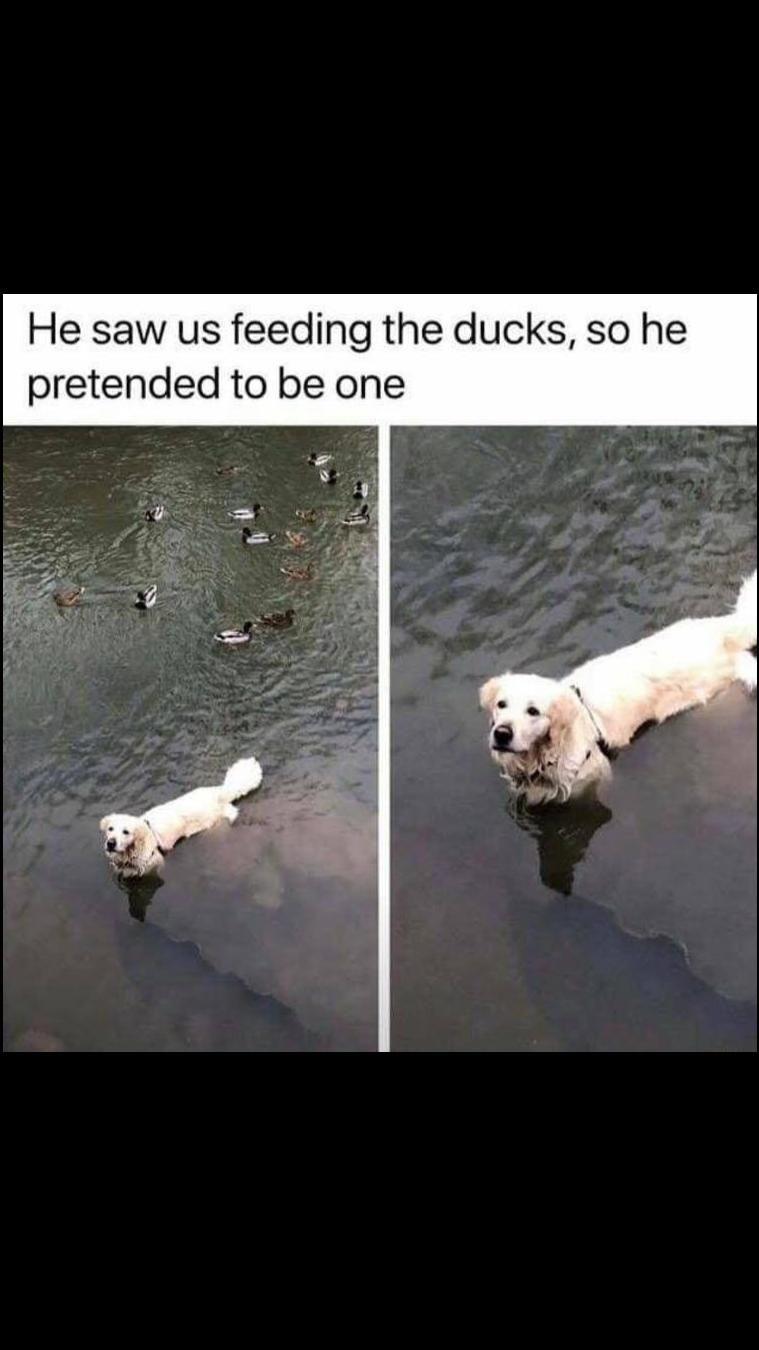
(533, 712)
(502, 703)
(125, 832)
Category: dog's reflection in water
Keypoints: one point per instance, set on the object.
(139, 892)
(564, 830)
(562, 833)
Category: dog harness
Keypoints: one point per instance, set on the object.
(154, 833)
(601, 740)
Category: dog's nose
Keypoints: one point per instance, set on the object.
(502, 737)
(110, 845)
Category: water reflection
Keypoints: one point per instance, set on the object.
(562, 833)
(139, 893)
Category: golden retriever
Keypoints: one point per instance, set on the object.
(551, 739)
(135, 845)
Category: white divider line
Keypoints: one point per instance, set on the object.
(383, 776)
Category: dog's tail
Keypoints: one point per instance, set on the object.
(242, 778)
(745, 614)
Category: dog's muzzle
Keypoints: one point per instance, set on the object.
(501, 738)
(110, 845)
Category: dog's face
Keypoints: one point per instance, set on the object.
(541, 736)
(120, 834)
(519, 708)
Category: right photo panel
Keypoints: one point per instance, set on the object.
(574, 629)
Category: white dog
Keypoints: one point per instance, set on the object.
(135, 845)
(551, 738)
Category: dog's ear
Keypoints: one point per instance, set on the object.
(563, 713)
(103, 826)
(489, 693)
(560, 755)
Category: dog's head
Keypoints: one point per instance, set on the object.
(123, 837)
(520, 711)
(539, 734)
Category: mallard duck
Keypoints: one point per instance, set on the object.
(155, 513)
(297, 573)
(357, 517)
(328, 475)
(360, 490)
(146, 599)
(68, 595)
(295, 540)
(256, 537)
(318, 460)
(233, 637)
(228, 468)
(308, 516)
(278, 620)
(246, 512)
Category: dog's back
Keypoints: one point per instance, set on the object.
(677, 668)
(204, 806)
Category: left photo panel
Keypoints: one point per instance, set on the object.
(190, 739)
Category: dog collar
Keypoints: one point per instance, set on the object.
(156, 836)
(601, 740)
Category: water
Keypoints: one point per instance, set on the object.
(263, 935)
(627, 926)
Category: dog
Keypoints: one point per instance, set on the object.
(135, 845)
(553, 739)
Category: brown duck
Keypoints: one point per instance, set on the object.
(278, 620)
(296, 540)
(308, 516)
(298, 573)
(66, 596)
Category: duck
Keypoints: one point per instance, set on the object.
(296, 540)
(308, 516)
(246, 512)
(361, 490)
(318, 460)
(298, 573)
(256, 537)
(357, 517)
(328, 475)
(278, 620)
(146, 599)
(155, 513)
(228, 468)
(234, 637)
(66, 596)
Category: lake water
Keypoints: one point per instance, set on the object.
(263, 935)
(630, 925)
